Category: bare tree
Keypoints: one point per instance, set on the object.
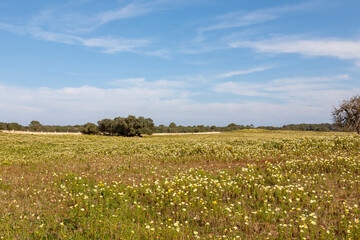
(348, 113)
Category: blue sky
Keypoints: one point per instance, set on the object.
(193, 62)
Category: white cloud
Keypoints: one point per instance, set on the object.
(142, 83)
(127, 81)
(342, 76)
(243, 72)
(107, 45)
(62, 24)
(162, 53)
(281, 101)
(307, 91)
(40, 34)
(111, 45)
(68, 17)
(243, 18)
(76, 105)
(338, 48)
(239, 19)
(132, 10)
(11, 28)
(243, 89)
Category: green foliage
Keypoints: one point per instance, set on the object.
(90, 128)
(173, 128)
(129, 127)
(45, 128)
(3, 126)
(14, 126)
(321, 127)
(35, 125)
(113, 127)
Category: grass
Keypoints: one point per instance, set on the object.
(251, 184)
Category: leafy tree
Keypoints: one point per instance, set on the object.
(348, 113)
(14, 126)
(90, 128)
(3, 126)
(232, 126)
(106, 126)
(145, 126)
(130, 126)
(35, 125)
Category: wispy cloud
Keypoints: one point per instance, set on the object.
(161, 53)
(88, 74)
(111, 45)
(338, 48)
(134, 9)
(247, 18)
(107, 45)
(128, 81)
(142, 83)
(243, 72)
(12, 28)
(68, 17)
(308, 90)
(64, 24)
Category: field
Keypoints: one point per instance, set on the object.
(251, 184)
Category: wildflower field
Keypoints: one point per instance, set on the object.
(250, 184)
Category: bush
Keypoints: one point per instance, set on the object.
(90, 128)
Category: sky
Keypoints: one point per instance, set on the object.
(192, 62)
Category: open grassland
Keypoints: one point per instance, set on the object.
(250, 184)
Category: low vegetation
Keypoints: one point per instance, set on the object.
(105, 126)
(249, 184)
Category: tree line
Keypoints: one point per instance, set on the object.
(133, 126)
(40, 128)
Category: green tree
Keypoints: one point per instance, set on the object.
(35, 125)
(14, 126)
(106, 126)
(90, 128)
(130, 126)
(3, 126)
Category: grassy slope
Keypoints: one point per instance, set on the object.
(250, 184)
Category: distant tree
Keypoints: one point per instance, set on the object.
(106, 126)
(213, 128)
(3, 126)
(232, 126)
(118, 126)
(90, 128)
(130, 126)
(14, 126)
(35, 125)
(145, 126)
(348, 113)
(161, 128)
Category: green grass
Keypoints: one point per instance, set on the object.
(251, 184)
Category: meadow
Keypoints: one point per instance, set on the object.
(249, 184)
